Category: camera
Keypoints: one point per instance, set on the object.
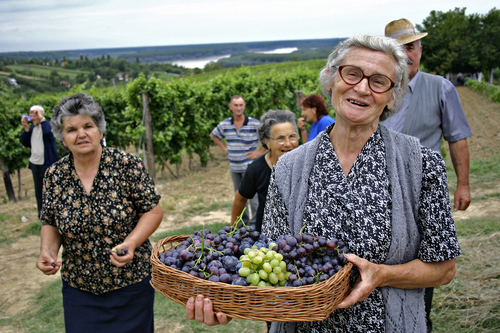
(28, 118)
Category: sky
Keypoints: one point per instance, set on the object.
(54, 25)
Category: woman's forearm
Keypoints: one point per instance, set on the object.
(50, 239)
(418, 274)
(239, 204)
(148, 223)
(412, 275)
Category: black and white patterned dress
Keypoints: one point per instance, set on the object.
(357, 209)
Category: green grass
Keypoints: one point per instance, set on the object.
(170, 314)
(5, 239)
(33, 229)
(284, 67)
(478, 227)
(164, 76)
(470, 302)
(482, 174)
(49, 316)
(200, 206)
(39, 70)
(454, 309)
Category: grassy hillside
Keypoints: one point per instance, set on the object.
(44, 71)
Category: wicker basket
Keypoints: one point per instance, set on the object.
(285, 304)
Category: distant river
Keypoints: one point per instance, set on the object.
(200, 63)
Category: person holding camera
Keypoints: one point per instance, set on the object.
(43, 151)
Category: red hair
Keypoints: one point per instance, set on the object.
(315, 101)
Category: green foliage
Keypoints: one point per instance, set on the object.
(113, 105)
(461, 43)
(452, 43)
(184, 111)
(490, 91)
(12, 152)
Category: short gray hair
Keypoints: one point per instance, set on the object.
(77, 104)
(37, 107)
(271, 118)
(376, 43)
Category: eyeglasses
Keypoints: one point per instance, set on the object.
(353, 75)
(281, 139)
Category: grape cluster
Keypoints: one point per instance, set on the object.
(311, 259)
(119, 252)
(214, 257)
(263, 267)
(243, 256)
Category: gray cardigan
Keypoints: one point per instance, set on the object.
(404, 307)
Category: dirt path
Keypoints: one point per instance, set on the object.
(484, 119)
(20, 280)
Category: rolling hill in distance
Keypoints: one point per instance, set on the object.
(306, 49)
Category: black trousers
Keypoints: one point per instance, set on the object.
(428, 303)
(38, 172)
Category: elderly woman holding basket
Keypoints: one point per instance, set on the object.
(380, 191)
(101, 206)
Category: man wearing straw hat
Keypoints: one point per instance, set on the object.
(432, 109)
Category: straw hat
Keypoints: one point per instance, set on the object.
(403, 30)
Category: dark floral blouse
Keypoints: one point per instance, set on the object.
(92, 224)
(357, 209)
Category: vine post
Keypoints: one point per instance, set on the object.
(7, 181)
(150, 153)
(298, 96)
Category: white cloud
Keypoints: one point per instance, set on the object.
(61, 25)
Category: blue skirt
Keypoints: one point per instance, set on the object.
(128, 309)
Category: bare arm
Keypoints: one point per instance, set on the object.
(414, 274)
(239, 204)
(459, 151)
(219, 142)
(50, 243)
(147, 224)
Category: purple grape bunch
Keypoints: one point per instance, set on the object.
(311, 259)
(119, 252)
(215, 257)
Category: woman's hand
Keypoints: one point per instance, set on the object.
(301, 123)
(411, 275)
(367, 281)
(47, 263)
(201, 309)
(120, 261)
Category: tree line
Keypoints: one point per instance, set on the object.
(100, 71)
(458, 42)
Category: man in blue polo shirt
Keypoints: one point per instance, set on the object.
(240, 132)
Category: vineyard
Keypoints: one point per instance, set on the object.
(184, 112)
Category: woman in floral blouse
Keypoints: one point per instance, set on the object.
(379, 191)
(98, 202)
